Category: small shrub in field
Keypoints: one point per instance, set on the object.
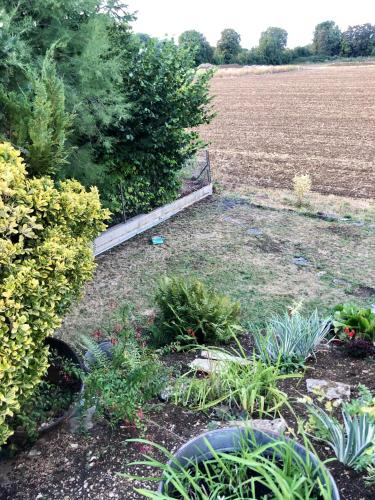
(290, 338)
(45, 258)
(302, 187)
(190, 312)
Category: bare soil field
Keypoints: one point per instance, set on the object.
(318, 120)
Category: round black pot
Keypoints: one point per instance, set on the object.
(65, 351)
(229, 440)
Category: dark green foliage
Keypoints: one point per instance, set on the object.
(192, 313)
(229, 46)
(327, 39)
(78, 32)
(167, 99)
(272, 45)
(198, 45)
(358, 40)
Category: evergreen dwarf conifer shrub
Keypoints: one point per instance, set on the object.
(45, 258)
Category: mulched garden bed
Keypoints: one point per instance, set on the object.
(62, 465)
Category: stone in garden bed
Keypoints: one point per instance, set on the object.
(223, 356)
(330, 389)
(277, 425)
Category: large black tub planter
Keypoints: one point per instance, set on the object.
(231, 440)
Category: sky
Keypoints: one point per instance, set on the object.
(170, 18)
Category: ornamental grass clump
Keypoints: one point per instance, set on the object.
(45, 258)
(246, 386)
(191, 313)
(290, 339)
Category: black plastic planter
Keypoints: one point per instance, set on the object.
(65, 351)
(229, 440)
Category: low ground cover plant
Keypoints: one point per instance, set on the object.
(45, 258)
(246, 389)
(291, 338)
(191, 313)
(120, 383)
(273, 470)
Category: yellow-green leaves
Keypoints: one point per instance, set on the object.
(45, 258)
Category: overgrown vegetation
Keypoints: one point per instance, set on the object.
(85, 98)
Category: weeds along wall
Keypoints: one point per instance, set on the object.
(45, 258)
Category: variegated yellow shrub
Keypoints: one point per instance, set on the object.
(45, 258)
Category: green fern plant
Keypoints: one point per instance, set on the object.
(190, 312)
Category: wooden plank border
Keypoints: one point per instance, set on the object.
(122, 232)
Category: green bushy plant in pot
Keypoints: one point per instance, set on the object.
(238, 464)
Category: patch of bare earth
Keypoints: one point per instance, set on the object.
(319, 120)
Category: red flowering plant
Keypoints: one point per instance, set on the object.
(355, 327)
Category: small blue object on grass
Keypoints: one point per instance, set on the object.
(157, 240)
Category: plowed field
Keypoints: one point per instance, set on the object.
(319, 120)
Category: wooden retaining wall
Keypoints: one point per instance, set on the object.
(121, 232)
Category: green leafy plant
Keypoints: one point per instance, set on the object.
(290, 338)
(248, 388)
(273, 470)
(120, 384)
(191, 313)
(354, 323)
(45, 258)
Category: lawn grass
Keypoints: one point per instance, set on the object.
(211, 241)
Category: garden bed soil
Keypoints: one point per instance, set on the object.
(68, 466)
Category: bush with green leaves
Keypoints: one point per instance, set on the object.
(167, 100)
(246, 386)
(121, 384)
(291, 338)
(46, 257)
(272, 470)
(190, 312)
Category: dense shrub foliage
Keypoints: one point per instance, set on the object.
(45, 257)
(190, 312)
(85, 98)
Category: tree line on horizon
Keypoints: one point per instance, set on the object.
(328, 42)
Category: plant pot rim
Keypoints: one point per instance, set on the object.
(190, 449)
